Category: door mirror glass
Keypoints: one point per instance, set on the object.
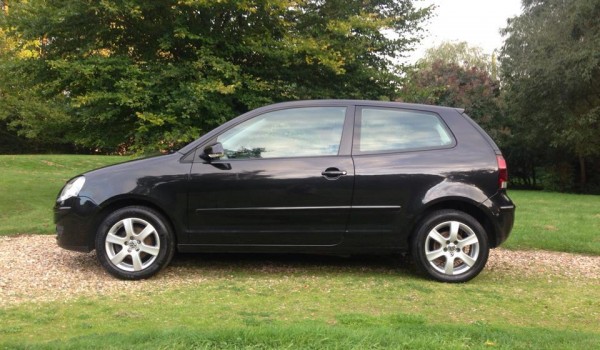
(214, 151)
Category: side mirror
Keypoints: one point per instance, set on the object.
(215, 151)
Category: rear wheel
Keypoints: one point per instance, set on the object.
(134, 243)
(450, 246)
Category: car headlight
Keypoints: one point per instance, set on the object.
(72, 188)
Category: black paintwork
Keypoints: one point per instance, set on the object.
(288, 205)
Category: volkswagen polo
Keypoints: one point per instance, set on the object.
(325, 177)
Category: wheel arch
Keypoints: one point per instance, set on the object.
(461, 204)
(122, 202)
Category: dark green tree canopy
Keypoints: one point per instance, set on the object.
(140, 75)
(551, 69)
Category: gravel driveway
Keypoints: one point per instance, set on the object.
(34, 268)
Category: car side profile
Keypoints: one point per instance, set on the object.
(337, 177)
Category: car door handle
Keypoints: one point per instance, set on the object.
(331, 173)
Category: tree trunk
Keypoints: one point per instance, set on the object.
(582, 174)
(533, 175)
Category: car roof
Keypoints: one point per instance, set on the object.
(374, 103)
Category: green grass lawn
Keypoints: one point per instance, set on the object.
(556, 221)
(29, 185)
(318, 303)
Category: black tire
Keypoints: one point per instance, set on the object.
(450, 246)
(134, 243)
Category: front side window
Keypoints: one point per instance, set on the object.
(295, 132)
(388, 130)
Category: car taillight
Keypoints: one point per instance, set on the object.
(502, 173)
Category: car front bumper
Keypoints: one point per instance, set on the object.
(75, 223)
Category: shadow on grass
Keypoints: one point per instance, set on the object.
(298, 264)
(260, 264)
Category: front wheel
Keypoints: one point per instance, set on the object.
(450, 246)
(134, 243)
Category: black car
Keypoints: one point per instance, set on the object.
(329, 177)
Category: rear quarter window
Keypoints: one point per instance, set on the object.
(396, 130)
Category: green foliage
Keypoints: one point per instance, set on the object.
(551, 70)
(154, 75)
(459, 53)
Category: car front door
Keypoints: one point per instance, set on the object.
(286, 178)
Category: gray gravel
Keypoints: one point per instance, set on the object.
(34, 268)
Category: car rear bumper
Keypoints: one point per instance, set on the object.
(74, 219)
(503, 211)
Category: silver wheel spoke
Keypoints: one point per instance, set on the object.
(436, 236)
(112, 238)
(149, 249)
(137, 262)
(432, 255)
(128, 225)
(118, 258)
(148, 230)
(449, 268)
(454, 227)
(467, 259)
(472, 239)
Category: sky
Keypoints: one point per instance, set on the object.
(477, 22)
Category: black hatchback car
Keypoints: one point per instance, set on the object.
(328, 177)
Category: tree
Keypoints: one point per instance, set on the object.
(551, 70)
(458, 75)
(155, 74)
(461, 54)
(10, 48)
